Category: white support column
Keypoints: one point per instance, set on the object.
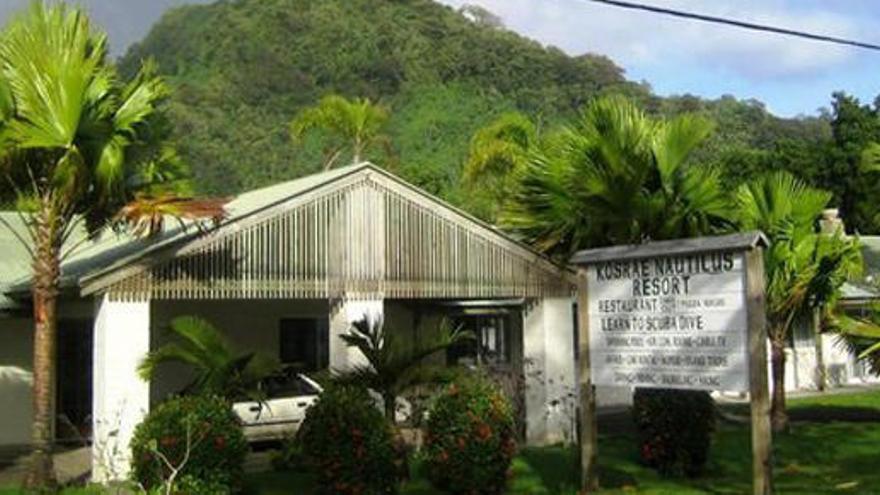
(549, 367)
(534, 370)
(120, 398)
(560, 369)
(342, 314)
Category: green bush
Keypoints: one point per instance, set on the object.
(348, 444)
(674, 429)
(216, 443)
(470, 439)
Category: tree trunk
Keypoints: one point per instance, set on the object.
(778, 414)
(820, 356)
(46, 270)
(390, 402)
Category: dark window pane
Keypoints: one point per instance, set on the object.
(302, 343)
(492, 344)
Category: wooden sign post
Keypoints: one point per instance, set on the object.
(685, 314)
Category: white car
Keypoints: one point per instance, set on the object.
(282, 412)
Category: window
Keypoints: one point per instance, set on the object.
(492, 344)
(287, 386)
(303, 343)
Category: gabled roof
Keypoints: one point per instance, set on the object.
(114, 261)
(864, 291)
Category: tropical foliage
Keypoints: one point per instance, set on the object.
(674, 430)
(395, 363)
(218, 369)
(352, 126)
(470, 438)
(348, 444)
(804, 268)
(616, 176)
(444, 75)
(77, 143)
(189, 445)
(498, 152)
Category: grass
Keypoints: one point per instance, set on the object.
(818, 457)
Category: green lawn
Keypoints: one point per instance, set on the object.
(817, 457)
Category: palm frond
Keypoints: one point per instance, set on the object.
(146, 215)
(871, 158)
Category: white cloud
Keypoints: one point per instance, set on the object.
(641, 39)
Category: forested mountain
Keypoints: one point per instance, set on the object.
(241, 69)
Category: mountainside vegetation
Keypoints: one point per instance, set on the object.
(241, 70)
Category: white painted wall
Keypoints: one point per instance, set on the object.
(534, 369)
(342, 314)
(16, 380)
(121, 398)
(548, 350)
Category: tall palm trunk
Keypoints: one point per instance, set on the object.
(779, 416)
(389, 400)
(47, 269)
(821, 378)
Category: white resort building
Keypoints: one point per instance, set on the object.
(289, 270)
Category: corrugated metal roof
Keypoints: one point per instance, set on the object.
(111, 247)
(112, 251)
(850, 292)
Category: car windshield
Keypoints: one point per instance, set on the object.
(279, 387)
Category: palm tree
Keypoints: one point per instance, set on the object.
(497, 153)
(218, 369)
(77, 144)
(804, 267)
(393, 363)
(353, 125)
(616, 177)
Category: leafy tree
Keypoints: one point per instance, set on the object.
(497, 153)
(78, 144)
(393, 363)
(804, 268)
(354, 126)
(617, 177)
(854, 127)
(219, 370)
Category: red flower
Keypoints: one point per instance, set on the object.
(219, 443)
(484, 431)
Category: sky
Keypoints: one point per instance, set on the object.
(675, 56)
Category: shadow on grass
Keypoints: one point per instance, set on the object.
(825, 414)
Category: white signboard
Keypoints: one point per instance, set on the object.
(670, 322)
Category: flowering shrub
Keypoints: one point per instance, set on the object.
(348, 444)
(674, 429)
(190, 441)
(470, 439)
